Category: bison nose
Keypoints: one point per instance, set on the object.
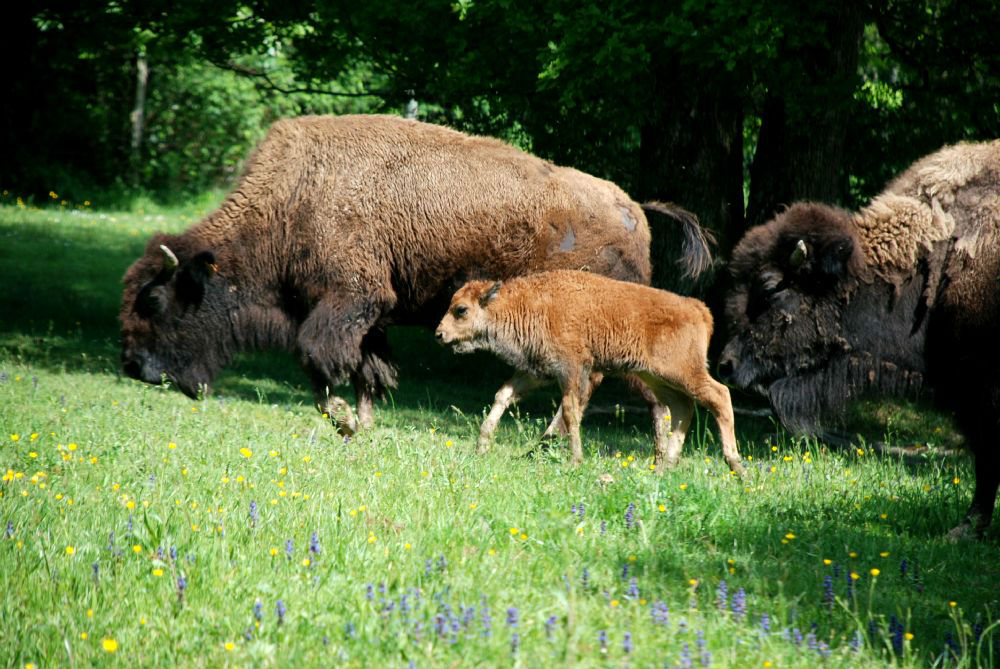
(133, 368)
(439, 336)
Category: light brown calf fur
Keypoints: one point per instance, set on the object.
(572, 326)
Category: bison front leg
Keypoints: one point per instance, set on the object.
(331, 344)
(977, 519)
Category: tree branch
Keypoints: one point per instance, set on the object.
(263, 76)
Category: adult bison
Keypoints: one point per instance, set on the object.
(827, 304)
(341, 226)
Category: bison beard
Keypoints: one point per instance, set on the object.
(907, 285)
(343, 226)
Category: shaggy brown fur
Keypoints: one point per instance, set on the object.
(566, 325)
(341, 226)
(827, 304)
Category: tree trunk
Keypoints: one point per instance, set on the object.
(804, 123)
(691, 153)
(138, 115)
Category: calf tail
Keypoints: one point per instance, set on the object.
(697, 256)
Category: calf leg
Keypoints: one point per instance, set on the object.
(558, 427)
(509, 392)
(672, 415)
(571, 411)
(715, 397)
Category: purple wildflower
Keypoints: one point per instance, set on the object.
(550, 625)
(685, 661)
(369, 592)
(739, 604)
(703, 653)
(253, 514)
(258, 610)
(828, 597)
(896, 633)
(97, 569)
(630, 516)
(850, 585)
(581, 511)
(602, 637)
(442, 563)
(661, 613)
(903, 567)
(181, 587)
(280, 610)
(314, 544)
(572, 509)
(604, 526)
(486, 620)
(349, 632)
(512, 616)
(289, 547)
(515, 641)
(625, 571)
(627, 643)
(10, 529)
(585, 578)
(722, 596)
(172, 553)
(765, 623)
(159, 552)
(856, 641)
(633, 589)
(248, 633)
(326, 640)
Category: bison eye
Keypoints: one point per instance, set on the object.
(460, 311)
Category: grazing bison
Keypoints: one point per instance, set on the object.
(828, 304)
(566, 325)
(341, 226)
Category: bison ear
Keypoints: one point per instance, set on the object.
(194, 275)
(490, 294)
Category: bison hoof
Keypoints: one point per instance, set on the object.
(738, 469)
(341, 416)
(964, 532)
(483, 444)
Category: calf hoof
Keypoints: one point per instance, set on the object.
(483, 445)
(738, 469)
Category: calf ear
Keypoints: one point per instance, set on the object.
(490, 294)
(194, 275)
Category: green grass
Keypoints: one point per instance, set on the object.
(410, 505)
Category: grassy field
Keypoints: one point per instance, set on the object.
(144, 529)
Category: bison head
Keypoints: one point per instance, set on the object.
(792, 280)
(464, 326)
(173, 316)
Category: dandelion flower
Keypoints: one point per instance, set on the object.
(875, 572)
(662, 507)
(952, 604)
(70, 550)
(908, 636)
(229, 645)
(246, 452)
(109, 645)
(789, 536)
(884, 554)
(157, 572)
(827, 561)
(855, 575)
(137, 549)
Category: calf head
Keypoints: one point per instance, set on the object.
(174, 317)
(792, 279)
(464, 326)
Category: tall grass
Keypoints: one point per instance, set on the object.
(143, 529)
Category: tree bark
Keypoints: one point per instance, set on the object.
(138, 115)
(691, 153)
(806, 112)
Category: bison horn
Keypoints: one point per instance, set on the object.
(170, 261)
(800, 254)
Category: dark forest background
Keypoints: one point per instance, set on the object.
(730, 108)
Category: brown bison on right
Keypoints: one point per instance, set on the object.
(827, 304)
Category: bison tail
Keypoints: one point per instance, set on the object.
(697, 256)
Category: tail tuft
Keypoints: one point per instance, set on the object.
(697, 258)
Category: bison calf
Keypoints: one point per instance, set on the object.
(573, 326)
